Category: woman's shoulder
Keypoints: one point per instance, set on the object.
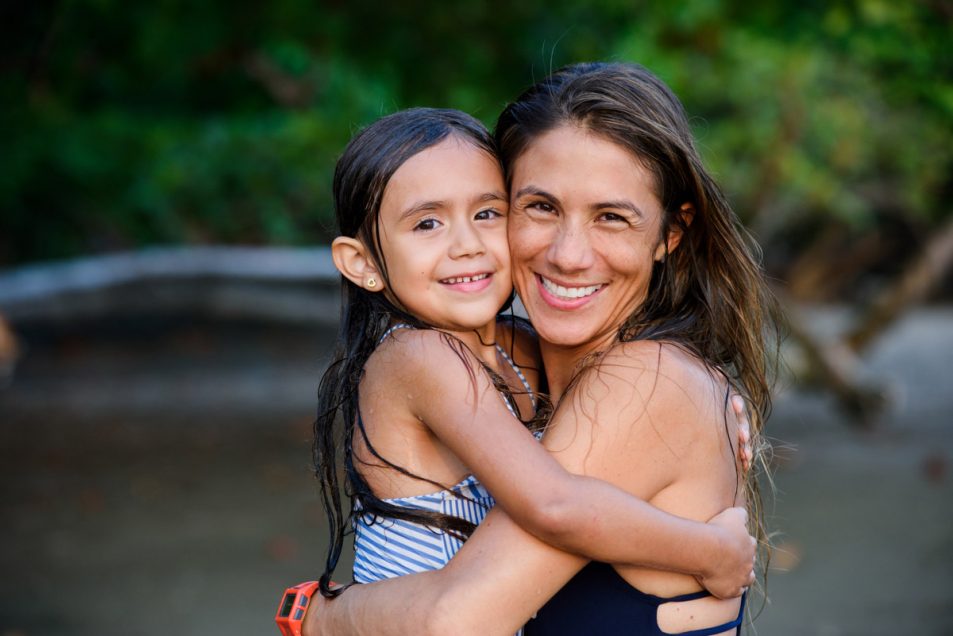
(655, 378)
(669, 360)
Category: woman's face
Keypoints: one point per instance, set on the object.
(584, 233)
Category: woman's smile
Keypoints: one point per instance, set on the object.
(566, 296)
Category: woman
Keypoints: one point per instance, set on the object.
(649, 308)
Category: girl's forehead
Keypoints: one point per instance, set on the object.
(451, 170)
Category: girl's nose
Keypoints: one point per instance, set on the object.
(466, 241)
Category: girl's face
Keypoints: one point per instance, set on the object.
(443, 236)
(584, 233)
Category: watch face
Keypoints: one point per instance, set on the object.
(286, 604)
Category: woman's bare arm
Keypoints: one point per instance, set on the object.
(502, 575)
(579, 514)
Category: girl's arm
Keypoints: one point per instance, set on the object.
(502, 574)
(579, 514)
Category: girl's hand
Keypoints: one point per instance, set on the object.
(735, 570)
(745, 454)
(317, 618)
(313, 615)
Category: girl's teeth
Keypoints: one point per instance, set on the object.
(569, 292)
(465, 279)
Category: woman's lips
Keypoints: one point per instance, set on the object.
(468, 283)
(566, 296)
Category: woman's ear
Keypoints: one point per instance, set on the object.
(675, 232)
(355, 264)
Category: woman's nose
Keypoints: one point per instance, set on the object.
(571, 250)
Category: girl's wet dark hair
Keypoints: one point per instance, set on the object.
(709, 296)
(360, 178)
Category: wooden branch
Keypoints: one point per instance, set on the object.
(916, 282)
(836, 367)
(9, 351)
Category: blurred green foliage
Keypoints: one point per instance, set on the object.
(134, 123)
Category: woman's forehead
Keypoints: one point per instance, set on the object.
(575, 161)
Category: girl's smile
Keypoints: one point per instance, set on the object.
(468, 283)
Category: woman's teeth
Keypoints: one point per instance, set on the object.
(464, 279)
(569, 292)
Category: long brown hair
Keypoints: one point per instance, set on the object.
(709, 296)
(360, 178)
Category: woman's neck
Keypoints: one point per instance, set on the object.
(562, 362)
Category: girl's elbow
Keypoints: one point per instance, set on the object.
(447, 617)
(554, 520)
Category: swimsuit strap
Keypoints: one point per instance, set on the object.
(399, 325)
(681, 597)
(718, 629)
(519, 374)
(705, 631)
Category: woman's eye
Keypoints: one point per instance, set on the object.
(426, 225)
(542, 206)
(613, 217)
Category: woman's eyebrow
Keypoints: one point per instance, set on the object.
(535, 191)
(620, 204)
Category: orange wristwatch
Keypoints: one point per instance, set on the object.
(293, 606)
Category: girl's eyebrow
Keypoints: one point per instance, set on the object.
(493, 196)
(419, 206)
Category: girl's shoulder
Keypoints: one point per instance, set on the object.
(412, 345)
(410, 356)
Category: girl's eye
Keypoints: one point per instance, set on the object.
(489, 213)
(426, 225)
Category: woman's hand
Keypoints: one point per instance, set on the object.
(735, 570)
(745, 453)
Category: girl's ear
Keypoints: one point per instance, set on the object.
(686, 213)
(352, 260)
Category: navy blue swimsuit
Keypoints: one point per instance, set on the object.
(599, 602)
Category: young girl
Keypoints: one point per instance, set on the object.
(431, 396)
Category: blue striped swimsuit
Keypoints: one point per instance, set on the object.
(387, 548)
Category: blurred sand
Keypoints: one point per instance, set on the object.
(156, 480)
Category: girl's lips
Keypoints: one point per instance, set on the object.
(561, 302)
(469, 283)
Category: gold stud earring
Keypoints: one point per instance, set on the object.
(371, 283)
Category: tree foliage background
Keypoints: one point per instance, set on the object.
(830, 124)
